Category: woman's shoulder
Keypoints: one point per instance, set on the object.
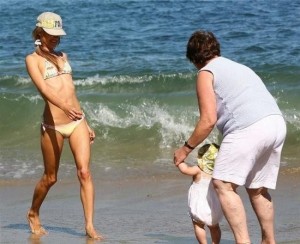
(32, 56)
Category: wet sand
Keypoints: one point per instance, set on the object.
(136, 210)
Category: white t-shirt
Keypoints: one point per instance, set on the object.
(242, 97)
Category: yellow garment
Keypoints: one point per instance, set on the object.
(207, 161)
(65, 130)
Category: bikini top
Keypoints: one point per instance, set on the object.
(51, 70)
(207, 162)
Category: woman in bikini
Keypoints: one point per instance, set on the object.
(62, 119)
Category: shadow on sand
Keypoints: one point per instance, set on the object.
(48, 228)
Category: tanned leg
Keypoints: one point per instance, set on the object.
(51, 145)
(215, 233)
(263, 207)
(80, 146)
(233, 210)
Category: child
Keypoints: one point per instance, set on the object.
(203, 202)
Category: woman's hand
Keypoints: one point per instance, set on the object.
(72, 113)
(181, 154)
(91, 133)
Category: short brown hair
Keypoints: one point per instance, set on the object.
(201, 47)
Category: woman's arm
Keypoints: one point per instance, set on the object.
(208, 115)
(207, 108)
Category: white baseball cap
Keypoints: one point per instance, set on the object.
(51, 23)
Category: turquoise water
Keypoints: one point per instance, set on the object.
(133, 80)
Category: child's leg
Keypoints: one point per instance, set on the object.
(215, 233)
(200, 232)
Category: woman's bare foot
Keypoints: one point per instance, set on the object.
(35, 225)
(92, 233)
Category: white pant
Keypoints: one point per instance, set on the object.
(251, 156)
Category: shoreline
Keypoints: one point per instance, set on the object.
(133, 210)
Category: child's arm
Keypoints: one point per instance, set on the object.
(188, 170)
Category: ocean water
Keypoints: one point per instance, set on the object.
(135, 85)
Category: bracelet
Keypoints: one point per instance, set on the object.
(186, 144)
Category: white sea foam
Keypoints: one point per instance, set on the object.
(103, 80)
(23, 80)
(292, 117)
(127, 79)
(173, 126)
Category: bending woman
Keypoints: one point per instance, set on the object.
(62, 119)
(232, 97)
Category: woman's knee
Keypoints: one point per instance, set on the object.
(84, 175)
(49, 179)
